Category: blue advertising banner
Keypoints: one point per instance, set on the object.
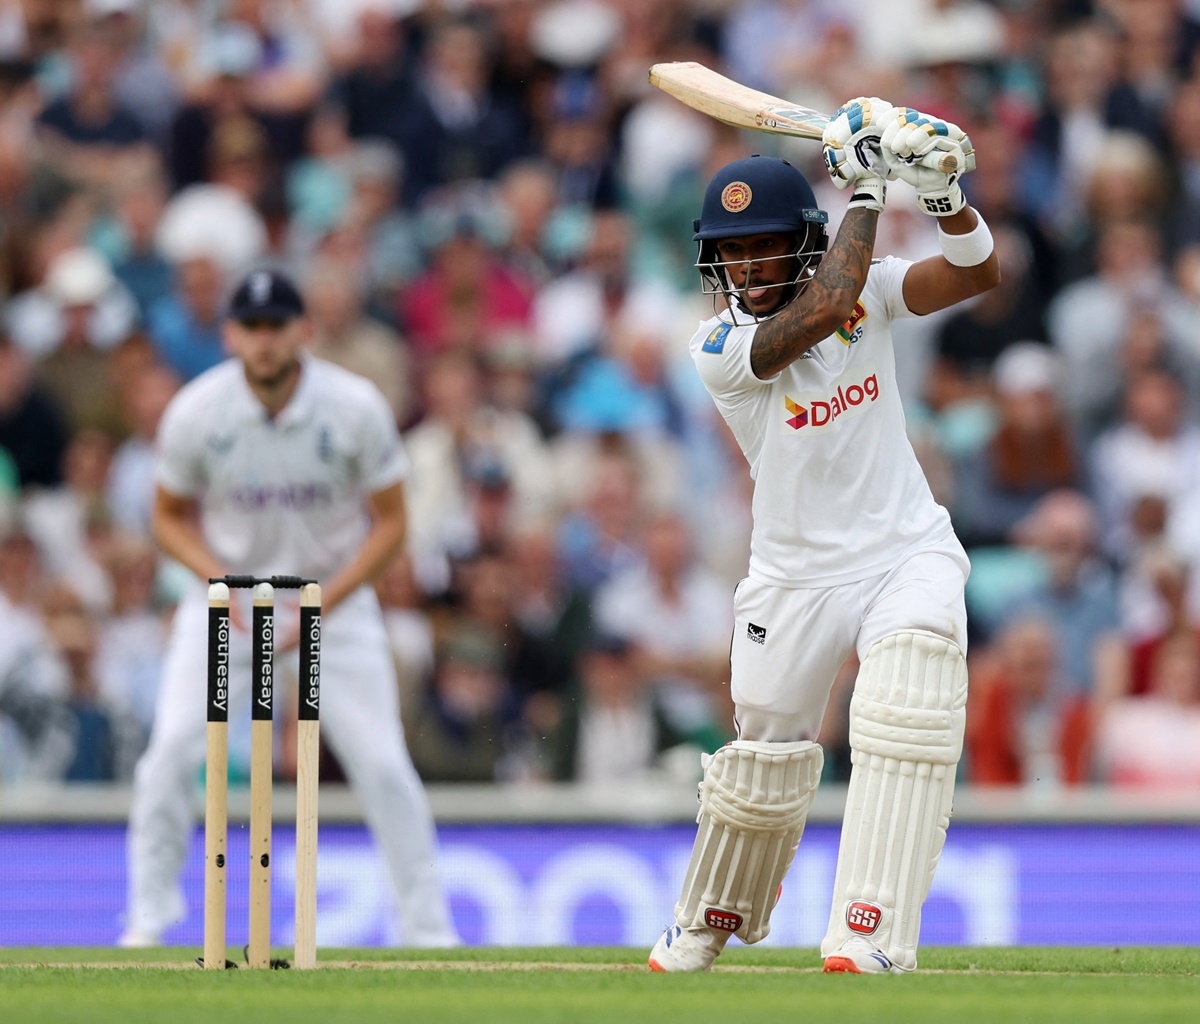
(64, 884)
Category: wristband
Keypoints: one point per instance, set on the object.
(967, 250)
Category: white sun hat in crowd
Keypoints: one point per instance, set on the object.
(211, 221)
(1026, 366)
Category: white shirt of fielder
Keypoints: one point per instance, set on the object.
(282, 495)
(839, 495)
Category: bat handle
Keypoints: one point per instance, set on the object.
(940, 160)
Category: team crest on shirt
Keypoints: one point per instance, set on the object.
(851, 331)
(221, 444)
(715, 342)
(823, 411)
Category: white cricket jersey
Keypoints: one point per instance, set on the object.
(283, 495)
(839, 494)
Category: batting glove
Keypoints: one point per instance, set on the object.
(931, 155)
(851, 140)
(870, 191)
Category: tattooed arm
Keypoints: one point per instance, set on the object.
(824, 305)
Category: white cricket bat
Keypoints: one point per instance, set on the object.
(739, 106)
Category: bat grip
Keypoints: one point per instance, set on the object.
(938, 160)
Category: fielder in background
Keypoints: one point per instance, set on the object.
(849, 551)
(275, 462)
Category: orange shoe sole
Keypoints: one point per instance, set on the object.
(841, 965)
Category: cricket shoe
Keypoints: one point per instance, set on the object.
(858, 956)
(681, 950)
(134, 939)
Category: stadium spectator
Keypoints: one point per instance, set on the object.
(87, 135)
(345, 334)
(34, 681)
(553, 619)
(574, 140)
(1126, 181)
(968, 343)
(528, 195)
(462, 442)
(239, 159)
(143, 82)
(1183, 126)
(773, 42)
(72, 523)
(614, 731)
(130, 487)
(453, 130)
(676, 617)
(1156, 589)
(128, 237)
(131, 640)
(597, 538)
(374, 87)
(459, 731)
(72, 325)
(1091, 320)
(1082, 99)
(1145, 461)
(1024, 725)
(468, 296)
(226, 87)
(1031, 453)
(105, 737)
(1079, 597)
(576, 311)
(290, 73)
(393, 252)
(32, 427)
(1153, 741)
(409, 630)
(184, 326)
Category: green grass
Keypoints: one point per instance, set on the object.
(597, 986)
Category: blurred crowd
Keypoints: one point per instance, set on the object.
(489, 210)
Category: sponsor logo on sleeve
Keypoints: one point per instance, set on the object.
(715, 342)
(822, 412)
(758, 634)
(852, 330)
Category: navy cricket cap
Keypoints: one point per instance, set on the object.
(266, 295)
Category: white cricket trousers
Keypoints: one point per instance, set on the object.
(788, 644)
(360, 719)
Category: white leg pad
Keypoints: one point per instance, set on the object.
(907, 718)
(754, 800)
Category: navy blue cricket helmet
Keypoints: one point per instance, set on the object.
(754, 196)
